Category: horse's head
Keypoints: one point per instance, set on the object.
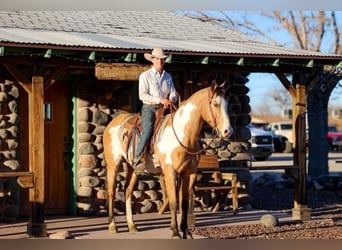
(218, 106)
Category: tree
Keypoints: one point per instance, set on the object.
(308, 30)
(277, 100)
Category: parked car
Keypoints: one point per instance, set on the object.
(334, 138)
(282, 134)
(261, 143)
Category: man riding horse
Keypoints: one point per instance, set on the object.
(156, 90)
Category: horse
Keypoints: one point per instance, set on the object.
(177, 147)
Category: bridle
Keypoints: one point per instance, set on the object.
(215, 129)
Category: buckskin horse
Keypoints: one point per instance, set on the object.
(177, 147)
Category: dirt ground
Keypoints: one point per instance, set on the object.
(325, 223)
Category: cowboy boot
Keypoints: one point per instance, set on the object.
(139, 165)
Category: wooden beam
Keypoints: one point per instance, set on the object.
(119, 71)
(300, 211)
(286, 83)
(54, 75)
(18, 76)
(36, 226)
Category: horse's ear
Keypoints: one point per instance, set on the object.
(223, 84)
(215, 86)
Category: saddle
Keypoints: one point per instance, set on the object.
(134, 129)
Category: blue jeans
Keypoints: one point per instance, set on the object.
(147, 122)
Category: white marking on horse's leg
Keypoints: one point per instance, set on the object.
(128, 195)
(113, 156)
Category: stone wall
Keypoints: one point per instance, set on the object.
(9, 141)
(232, 153)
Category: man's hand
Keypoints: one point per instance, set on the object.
(166, 102)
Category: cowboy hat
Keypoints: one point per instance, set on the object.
(156, 52)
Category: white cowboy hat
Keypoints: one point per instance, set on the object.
(156, 52)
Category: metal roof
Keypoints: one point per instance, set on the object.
(139, 30)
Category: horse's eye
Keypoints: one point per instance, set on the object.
(216, 104)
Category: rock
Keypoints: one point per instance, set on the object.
(89, 181)
(269, 220)
(61, 235)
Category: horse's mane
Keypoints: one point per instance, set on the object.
(198, 92)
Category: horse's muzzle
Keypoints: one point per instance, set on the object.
(227, 132)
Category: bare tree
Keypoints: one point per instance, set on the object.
(281, 97)
(276, 101)
(309, 30)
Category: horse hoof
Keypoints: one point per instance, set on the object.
(176, 237)
(132, 229)
(188, 235)
(112, 228)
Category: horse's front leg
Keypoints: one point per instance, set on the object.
(170, 185)
(131, 179)
(186, 199)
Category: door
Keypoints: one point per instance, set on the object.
(58, 146)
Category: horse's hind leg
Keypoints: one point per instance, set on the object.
(111, 183)
(131, 181)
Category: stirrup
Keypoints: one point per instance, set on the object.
(156, 161)
(139, 166)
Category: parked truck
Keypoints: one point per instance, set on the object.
(282, 135)
(261, 143)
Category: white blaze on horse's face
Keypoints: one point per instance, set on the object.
(220, 112)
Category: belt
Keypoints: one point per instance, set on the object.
(155, 106)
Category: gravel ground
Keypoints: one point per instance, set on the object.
(325, 223)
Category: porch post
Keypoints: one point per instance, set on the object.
(36, 226)
(300, 211)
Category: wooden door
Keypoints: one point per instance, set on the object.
(58, 147)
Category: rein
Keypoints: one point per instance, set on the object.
(215, 135)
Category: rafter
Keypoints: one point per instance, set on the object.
(19, 77)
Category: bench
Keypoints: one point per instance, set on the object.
(222, 183)
(24, 179)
